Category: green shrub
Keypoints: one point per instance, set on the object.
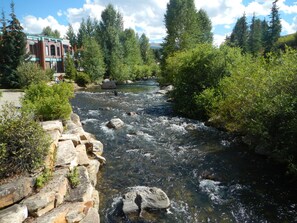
(24, 144)
(49, 102)
(30, 73)
(82, 79)
(43, 178)
(73, 177)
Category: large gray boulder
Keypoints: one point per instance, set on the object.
(52, 125)
(108, 84)
(16, 214)
(142, 198)
(115, 123)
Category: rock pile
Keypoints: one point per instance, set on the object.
(57, 201)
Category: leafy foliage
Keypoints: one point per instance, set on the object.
(73, 177)
(43, 178)
(48, 102)
(47, 31)
(92, 59)
(24, 144)
(30, 73)
(70, 70)
(82, 79)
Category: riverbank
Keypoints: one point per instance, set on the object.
(72, 150)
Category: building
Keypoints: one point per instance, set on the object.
(48, 52)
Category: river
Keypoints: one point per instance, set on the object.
(207, 176)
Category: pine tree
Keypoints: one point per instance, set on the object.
(82, 33)
(47, 31)
(255, 37)
(70, 35)
(239, 35)
(12, 49)
(275, 27)
(70, 69)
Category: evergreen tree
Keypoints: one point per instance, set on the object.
(70, 69)
(205, 27)
(70, 35)
(12, 49)
(275, 27)
(147, 53)
(265, 32)
(82, 33)
(111, 27)
(92, 59)
(255, 37)
(239, 35)
(47, 31)
(181, 26)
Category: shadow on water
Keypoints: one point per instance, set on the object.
(207, 176)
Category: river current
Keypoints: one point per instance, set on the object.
(206, 175)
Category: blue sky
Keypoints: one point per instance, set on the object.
(145, 15)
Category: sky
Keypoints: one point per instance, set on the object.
(145, 16)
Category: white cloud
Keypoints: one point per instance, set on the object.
(35, 25)
(148, 15)
(218, 39)
(287, 27)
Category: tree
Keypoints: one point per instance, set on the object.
(92, 59)
(70, 69)
(131, 53)
(275, 27)
(147, 53)
(82, 33)
(182, 26)
(205, 27)
(255, 37)
(70, 35)
(111, 27)
(239, 35)
(47, 31)
(12, 49)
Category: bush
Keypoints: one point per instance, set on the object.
(43, 178)
(193, 71)
(48, 102)
(73, 177)
(30, 73)
(82, 79)
(24, 144)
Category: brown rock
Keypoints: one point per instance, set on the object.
(74, 138)
(82, 157)
(15, 191)
(92, 216)
(93, 169)
(66, 154)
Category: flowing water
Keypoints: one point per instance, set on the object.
(207, 176)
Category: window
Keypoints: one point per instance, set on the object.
(46, 51)
(58, 51)
(32, 49)
(53, 50)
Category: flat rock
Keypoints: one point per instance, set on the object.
(66, 154)
(83, 192)
(73, 137)
(143, 198)
(50, 196)
(82, 157)
(14, 214)
(15, 191)
(52, 125)
(91, 217)
(93, 169)
(115, 123)
(75, 119)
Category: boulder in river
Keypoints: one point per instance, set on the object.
(108, 84)
(115, 123)
(141, 198)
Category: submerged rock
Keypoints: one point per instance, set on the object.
(139, 199)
